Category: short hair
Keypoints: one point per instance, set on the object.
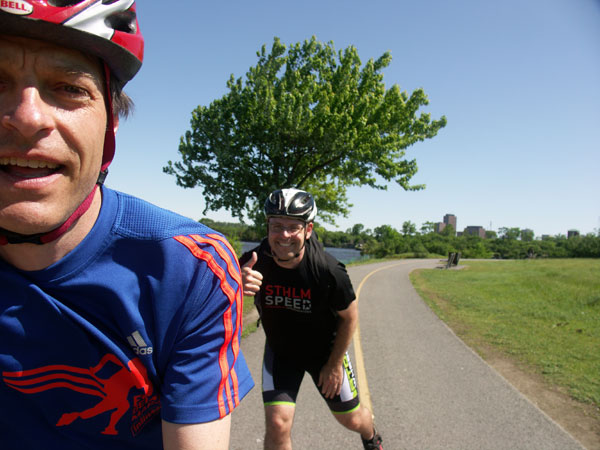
(122, 104)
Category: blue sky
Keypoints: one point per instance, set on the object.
(519, 83)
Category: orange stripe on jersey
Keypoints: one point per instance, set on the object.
(237, 276)
(231, 295)
(233, 268)
(226, 243)
(235, 272)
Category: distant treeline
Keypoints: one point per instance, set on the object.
(386, 241)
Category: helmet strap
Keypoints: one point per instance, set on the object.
(109, 136)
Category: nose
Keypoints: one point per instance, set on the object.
(286, 232)
(27, 113)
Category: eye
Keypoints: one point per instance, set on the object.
(73, 91)
(3, 82)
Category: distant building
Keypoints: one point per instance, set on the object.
(450, 219)
(476, 230)
(572, 233)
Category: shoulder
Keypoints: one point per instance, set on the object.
(318, 257)
(143, 220)
(318, 262)
(178, 248)
(336, 268)
(326, 264)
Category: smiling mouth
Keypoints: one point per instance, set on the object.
(27, 168)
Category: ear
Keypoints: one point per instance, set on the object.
(309, 229)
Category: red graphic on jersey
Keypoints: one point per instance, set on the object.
(289, 298)
(113, 391)
(286, 291)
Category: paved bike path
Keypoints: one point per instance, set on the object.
(427, 389)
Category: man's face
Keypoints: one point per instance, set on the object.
(52, 126)
(287, 236)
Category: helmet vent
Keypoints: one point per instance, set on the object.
(122, 21)
(63, 3)
(292, 203)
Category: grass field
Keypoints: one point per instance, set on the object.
(544, 313)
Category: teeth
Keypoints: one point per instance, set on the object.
(30, 163)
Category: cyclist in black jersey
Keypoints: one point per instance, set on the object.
(307, 308)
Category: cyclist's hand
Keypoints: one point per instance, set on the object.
(251, 279)
(330, 380)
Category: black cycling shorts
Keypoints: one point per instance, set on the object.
(281, 379)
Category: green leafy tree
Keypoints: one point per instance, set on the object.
(448, 230)
(356, 230)
(438, 244)
(387, 241)
(358, 234)
(527, 235)
(509, 233)
(309, 117)
(427, 227)
(490, 234)
(417, 247)
(472, 246)
(408, 228)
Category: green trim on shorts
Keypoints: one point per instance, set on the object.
(279, 403)
(339, 413)
(350, 374)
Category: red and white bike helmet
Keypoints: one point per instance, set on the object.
(107, 29)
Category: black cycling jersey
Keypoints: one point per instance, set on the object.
(298, 307)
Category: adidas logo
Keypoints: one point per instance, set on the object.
(138, 344)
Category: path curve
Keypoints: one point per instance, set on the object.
(427, 389)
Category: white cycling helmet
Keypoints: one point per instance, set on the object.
(292, 203)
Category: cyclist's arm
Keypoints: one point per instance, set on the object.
(197, 436)
(331, 375)
(347, 321)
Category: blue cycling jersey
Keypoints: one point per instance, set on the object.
(140, 322)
